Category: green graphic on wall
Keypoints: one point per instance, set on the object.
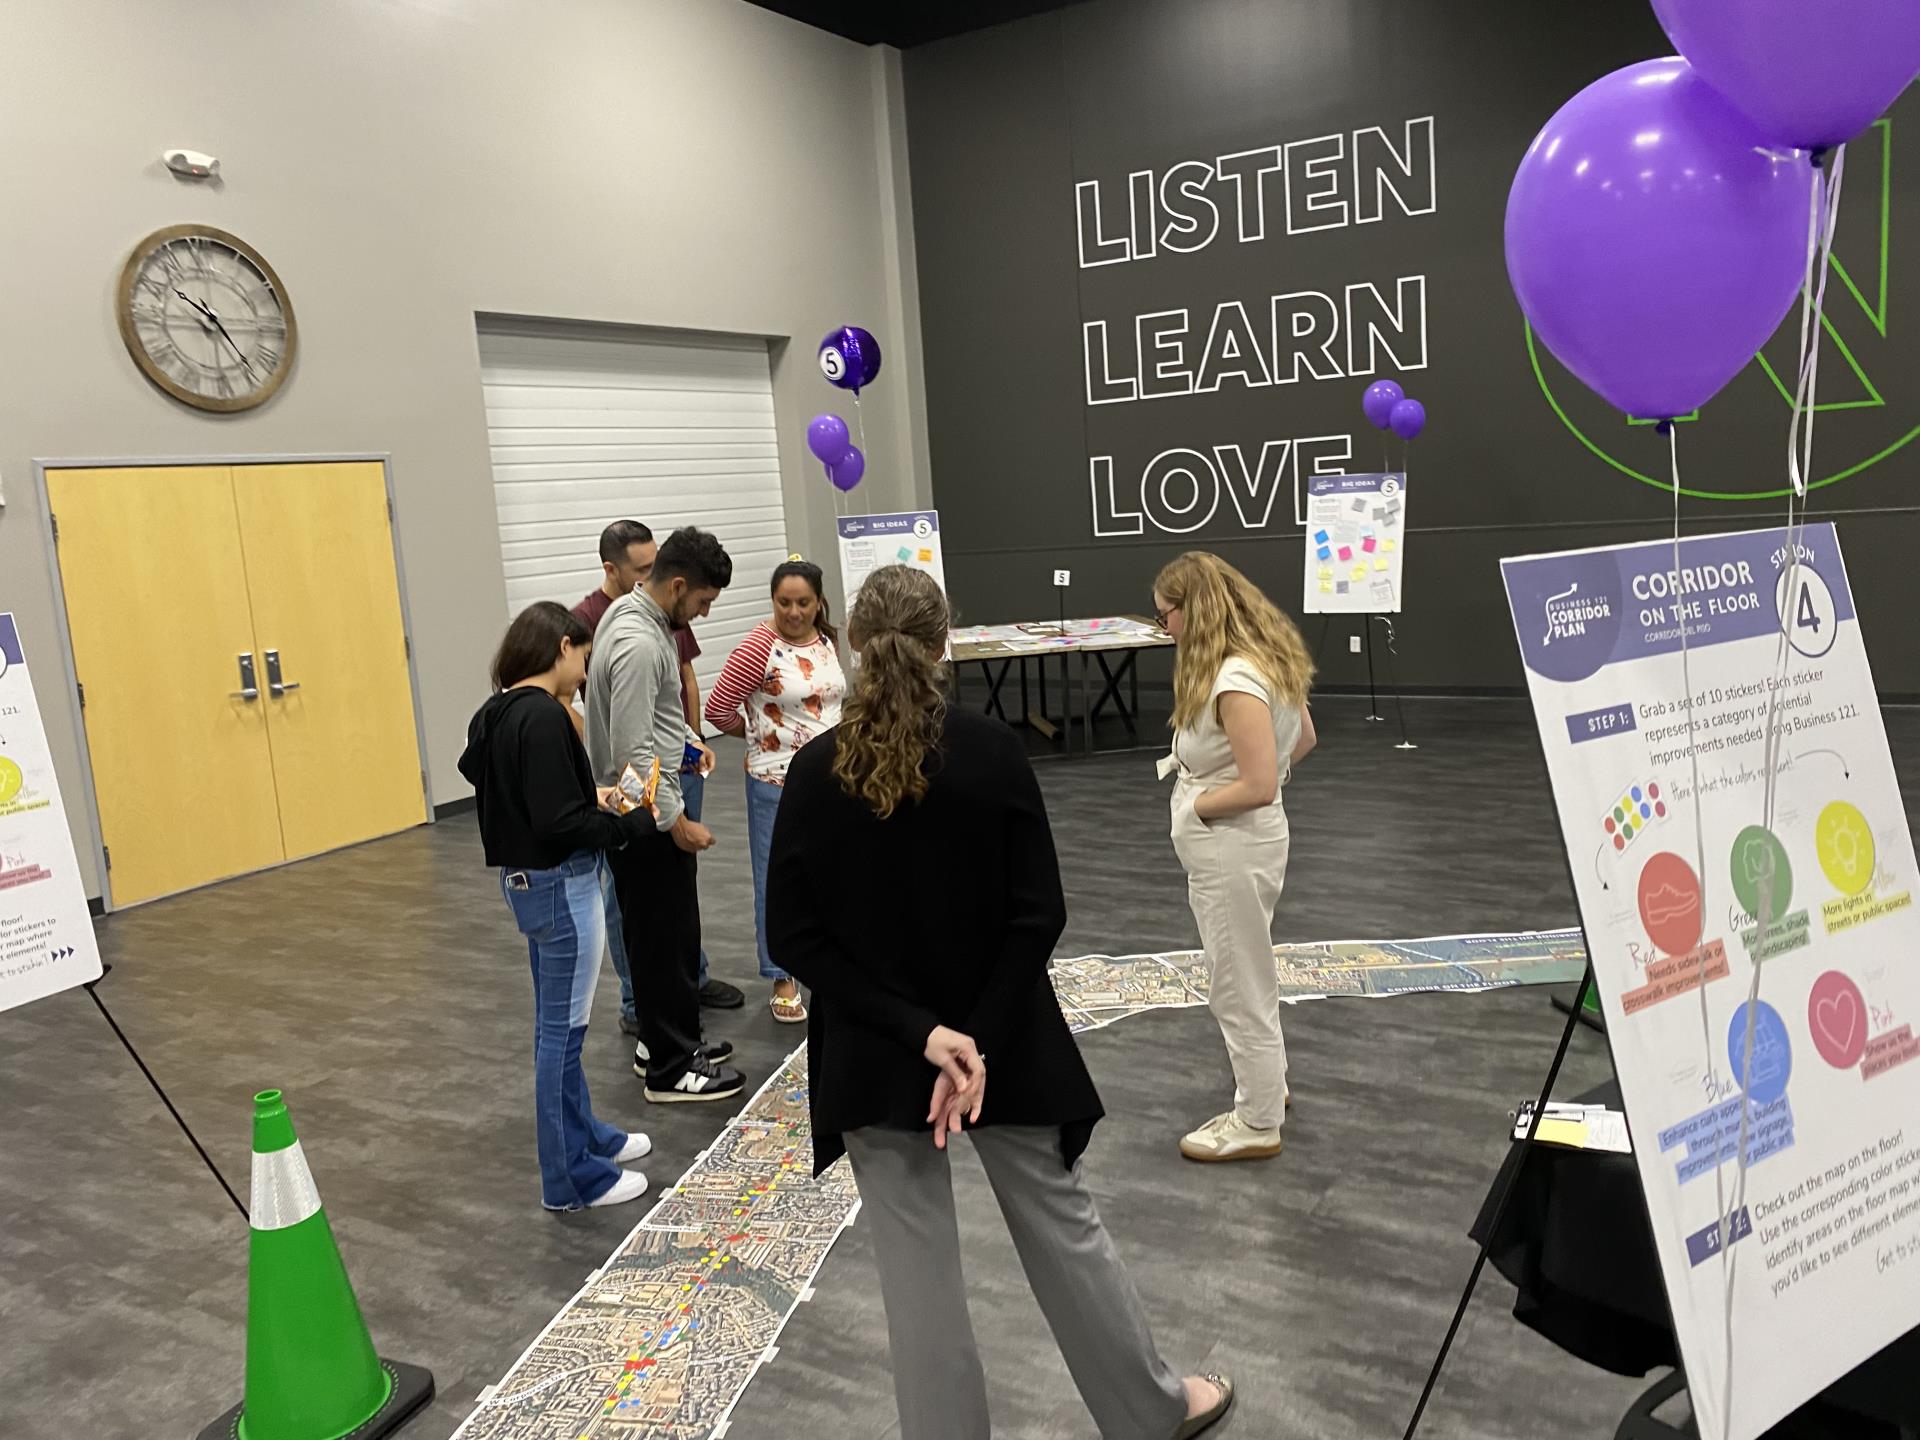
(1868, 384)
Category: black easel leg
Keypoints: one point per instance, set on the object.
(1373, 699)
(1393, 684)
(1500, 1208)
(178, 1118)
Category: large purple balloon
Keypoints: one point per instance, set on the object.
(845, 473)
(1652, 239)
(850, 358)
(1407, 419)
(1813, 75)
(1378, 401)
(828, 439)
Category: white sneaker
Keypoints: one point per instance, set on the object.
(638, 1147)
(630, 1186)
(1227, 1137)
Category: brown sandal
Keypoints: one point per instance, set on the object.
(1207, 1419)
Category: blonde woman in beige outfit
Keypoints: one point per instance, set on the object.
(1240, 723)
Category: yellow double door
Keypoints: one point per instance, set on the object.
(242, 659)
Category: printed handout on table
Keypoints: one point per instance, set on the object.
(1754, 953)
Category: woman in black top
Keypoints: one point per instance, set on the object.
(543, 825)
(934, 971)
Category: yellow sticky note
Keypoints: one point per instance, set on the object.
(1571, 1133)
(1381, 563)
(1326, 587)
(926, 557)
(1387, 545)
(1360, 572)
(1326, 572)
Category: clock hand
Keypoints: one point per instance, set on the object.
(207, 310)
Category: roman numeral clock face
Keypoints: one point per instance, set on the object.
(206, 318)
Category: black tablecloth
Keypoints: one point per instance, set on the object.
(1577, 1243)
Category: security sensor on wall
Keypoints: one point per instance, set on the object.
(191, 164)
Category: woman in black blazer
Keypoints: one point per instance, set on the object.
(913, 886)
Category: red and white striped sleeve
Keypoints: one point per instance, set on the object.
(744, 673)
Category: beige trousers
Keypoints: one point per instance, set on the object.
(1235, 871)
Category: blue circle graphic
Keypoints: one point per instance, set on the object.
(1772, 1053)
(1636, 792)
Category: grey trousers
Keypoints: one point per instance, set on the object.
(906, 1197)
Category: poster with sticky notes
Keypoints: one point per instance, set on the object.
(1359, 523)
(869, 542)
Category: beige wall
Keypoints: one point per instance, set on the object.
(404, 164)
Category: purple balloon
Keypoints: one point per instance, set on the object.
(828, 439)
(850, 358)
(1652, 239)
(845, 473)
(1378, 402)
(1408, 418)
(1808, 75)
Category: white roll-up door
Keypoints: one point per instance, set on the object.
(602, 425)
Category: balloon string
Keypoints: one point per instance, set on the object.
(860, 425)
(1813, 294)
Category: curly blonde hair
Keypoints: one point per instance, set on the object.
(1226, 615)
(892, 717)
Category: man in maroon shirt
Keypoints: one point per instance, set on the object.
(627, 552)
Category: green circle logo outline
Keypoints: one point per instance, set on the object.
(1665, 487)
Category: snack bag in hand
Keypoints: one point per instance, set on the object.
(636, 792)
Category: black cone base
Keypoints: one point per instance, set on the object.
(412, 1389)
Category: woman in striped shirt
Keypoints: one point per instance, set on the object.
(780, 688)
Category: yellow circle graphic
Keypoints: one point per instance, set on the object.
(10, 780)
(1845, 844)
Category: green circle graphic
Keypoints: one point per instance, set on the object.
(1760, 865)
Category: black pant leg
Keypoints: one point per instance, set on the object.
(660, 914)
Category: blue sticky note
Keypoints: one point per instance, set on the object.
(1321, 537)
(1325, 552)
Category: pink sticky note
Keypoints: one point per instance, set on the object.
(1346, 552)
(1367, 544)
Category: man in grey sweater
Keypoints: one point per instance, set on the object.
(634, 717)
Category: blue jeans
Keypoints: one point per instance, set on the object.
(763, 807)
(693, 790)
(560, 913)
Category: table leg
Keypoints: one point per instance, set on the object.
(1086, 699)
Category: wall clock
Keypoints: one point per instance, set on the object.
(206, 318)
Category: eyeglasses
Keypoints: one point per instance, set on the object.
(1161, 615)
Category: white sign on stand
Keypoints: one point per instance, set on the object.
(1792, 1261)
(46, 935)
(1356, 543)
(872, 542)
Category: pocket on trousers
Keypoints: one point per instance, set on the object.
(1190, 832)
(533, 908)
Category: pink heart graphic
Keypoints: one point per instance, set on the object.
(1839, 1020)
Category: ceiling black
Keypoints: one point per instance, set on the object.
(907, 22)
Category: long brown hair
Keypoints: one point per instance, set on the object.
(1226, 615)
(893, 716)
(531, 645)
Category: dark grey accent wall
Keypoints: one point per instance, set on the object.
(1004, 124)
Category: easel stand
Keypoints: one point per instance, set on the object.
(1499, 1211)
(1373, 693)
(93, 993)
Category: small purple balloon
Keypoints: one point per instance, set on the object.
(850, 358)
(1378, 402)
(845, 472)
(1655, 242)
(828, 439)
(1407, 418)
(1806, 75)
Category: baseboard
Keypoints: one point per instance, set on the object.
(454, 807)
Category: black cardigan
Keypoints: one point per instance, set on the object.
(536, 798)
(946, 913)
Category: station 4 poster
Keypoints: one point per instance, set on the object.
(1356, 543)
(46, 934)
(1658, 765)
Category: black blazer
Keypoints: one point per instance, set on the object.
(946, 913)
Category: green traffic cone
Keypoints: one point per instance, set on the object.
(312, 1373)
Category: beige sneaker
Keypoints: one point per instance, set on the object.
(1225, 1137)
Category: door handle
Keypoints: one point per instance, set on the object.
(275, 684)
(249, 687)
